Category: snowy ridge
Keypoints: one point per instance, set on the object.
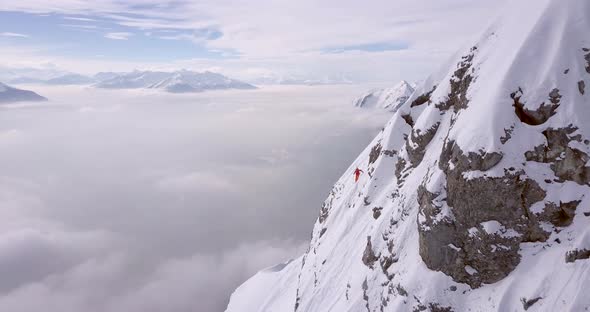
(12, 95)
(388, 98)
(176, 82)
(187, 81)
(476, 195)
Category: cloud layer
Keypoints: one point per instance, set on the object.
(138, 201)
(408, 38)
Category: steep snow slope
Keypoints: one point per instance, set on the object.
(476, 195)
(12, 95)
(388, 98)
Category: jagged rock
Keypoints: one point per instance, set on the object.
(416, 146)
(435, 307)
(578, 254)
(408, 119)
(377, 212)
(400, 166)
(369, 256)
(561, 215)
(568, 164)
(587, 58)
(453, 240)
(526, 304)
(581, 86)
(507, 135)
(424, 98)
(375, 153)
(540, 115)
(462, 79)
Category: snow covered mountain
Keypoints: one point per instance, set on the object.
(133, 80)
(476, 195)
(187, 81)
(12, 95)
(176, 82)
(294, 80)
(388, 98)
(70, 79)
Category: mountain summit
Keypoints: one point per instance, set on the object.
(476, 195)
(388, 98)
(182, 81)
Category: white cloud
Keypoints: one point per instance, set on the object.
(143, 201)
(118, 35)
(82, 19)
(285, 36)
(196, 181)
(14, 35)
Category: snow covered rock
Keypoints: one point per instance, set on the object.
(389, 98)
(476, 195)
(12, 95)
(176, 82)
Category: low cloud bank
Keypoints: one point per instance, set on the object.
(136, 201)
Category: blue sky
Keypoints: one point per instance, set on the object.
(305, 39)
(98, 37)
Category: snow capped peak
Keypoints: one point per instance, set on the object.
(180, 81)
(388, 98)
(10, 95)
(479, 185)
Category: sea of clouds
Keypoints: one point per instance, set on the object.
(139, 201)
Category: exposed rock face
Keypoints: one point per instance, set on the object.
(462, 79)
(587, 58)
(416, 146)
(527, 304)
(453, 239)
(375, 153)
(540, 115)
(423, 98)
(561, 215)
(568, 164)
(369, 256)
(577, 254)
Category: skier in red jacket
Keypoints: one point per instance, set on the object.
(357, 174)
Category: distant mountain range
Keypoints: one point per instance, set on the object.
(182, 81)
(291, 80)
(11, 95)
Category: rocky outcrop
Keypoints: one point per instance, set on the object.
(578, 254)
(416, 145)
(568, 163)
(460, 82)
(541, 114)
(474, 233)
(587, 58)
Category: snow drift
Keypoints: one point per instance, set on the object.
(476, 193)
